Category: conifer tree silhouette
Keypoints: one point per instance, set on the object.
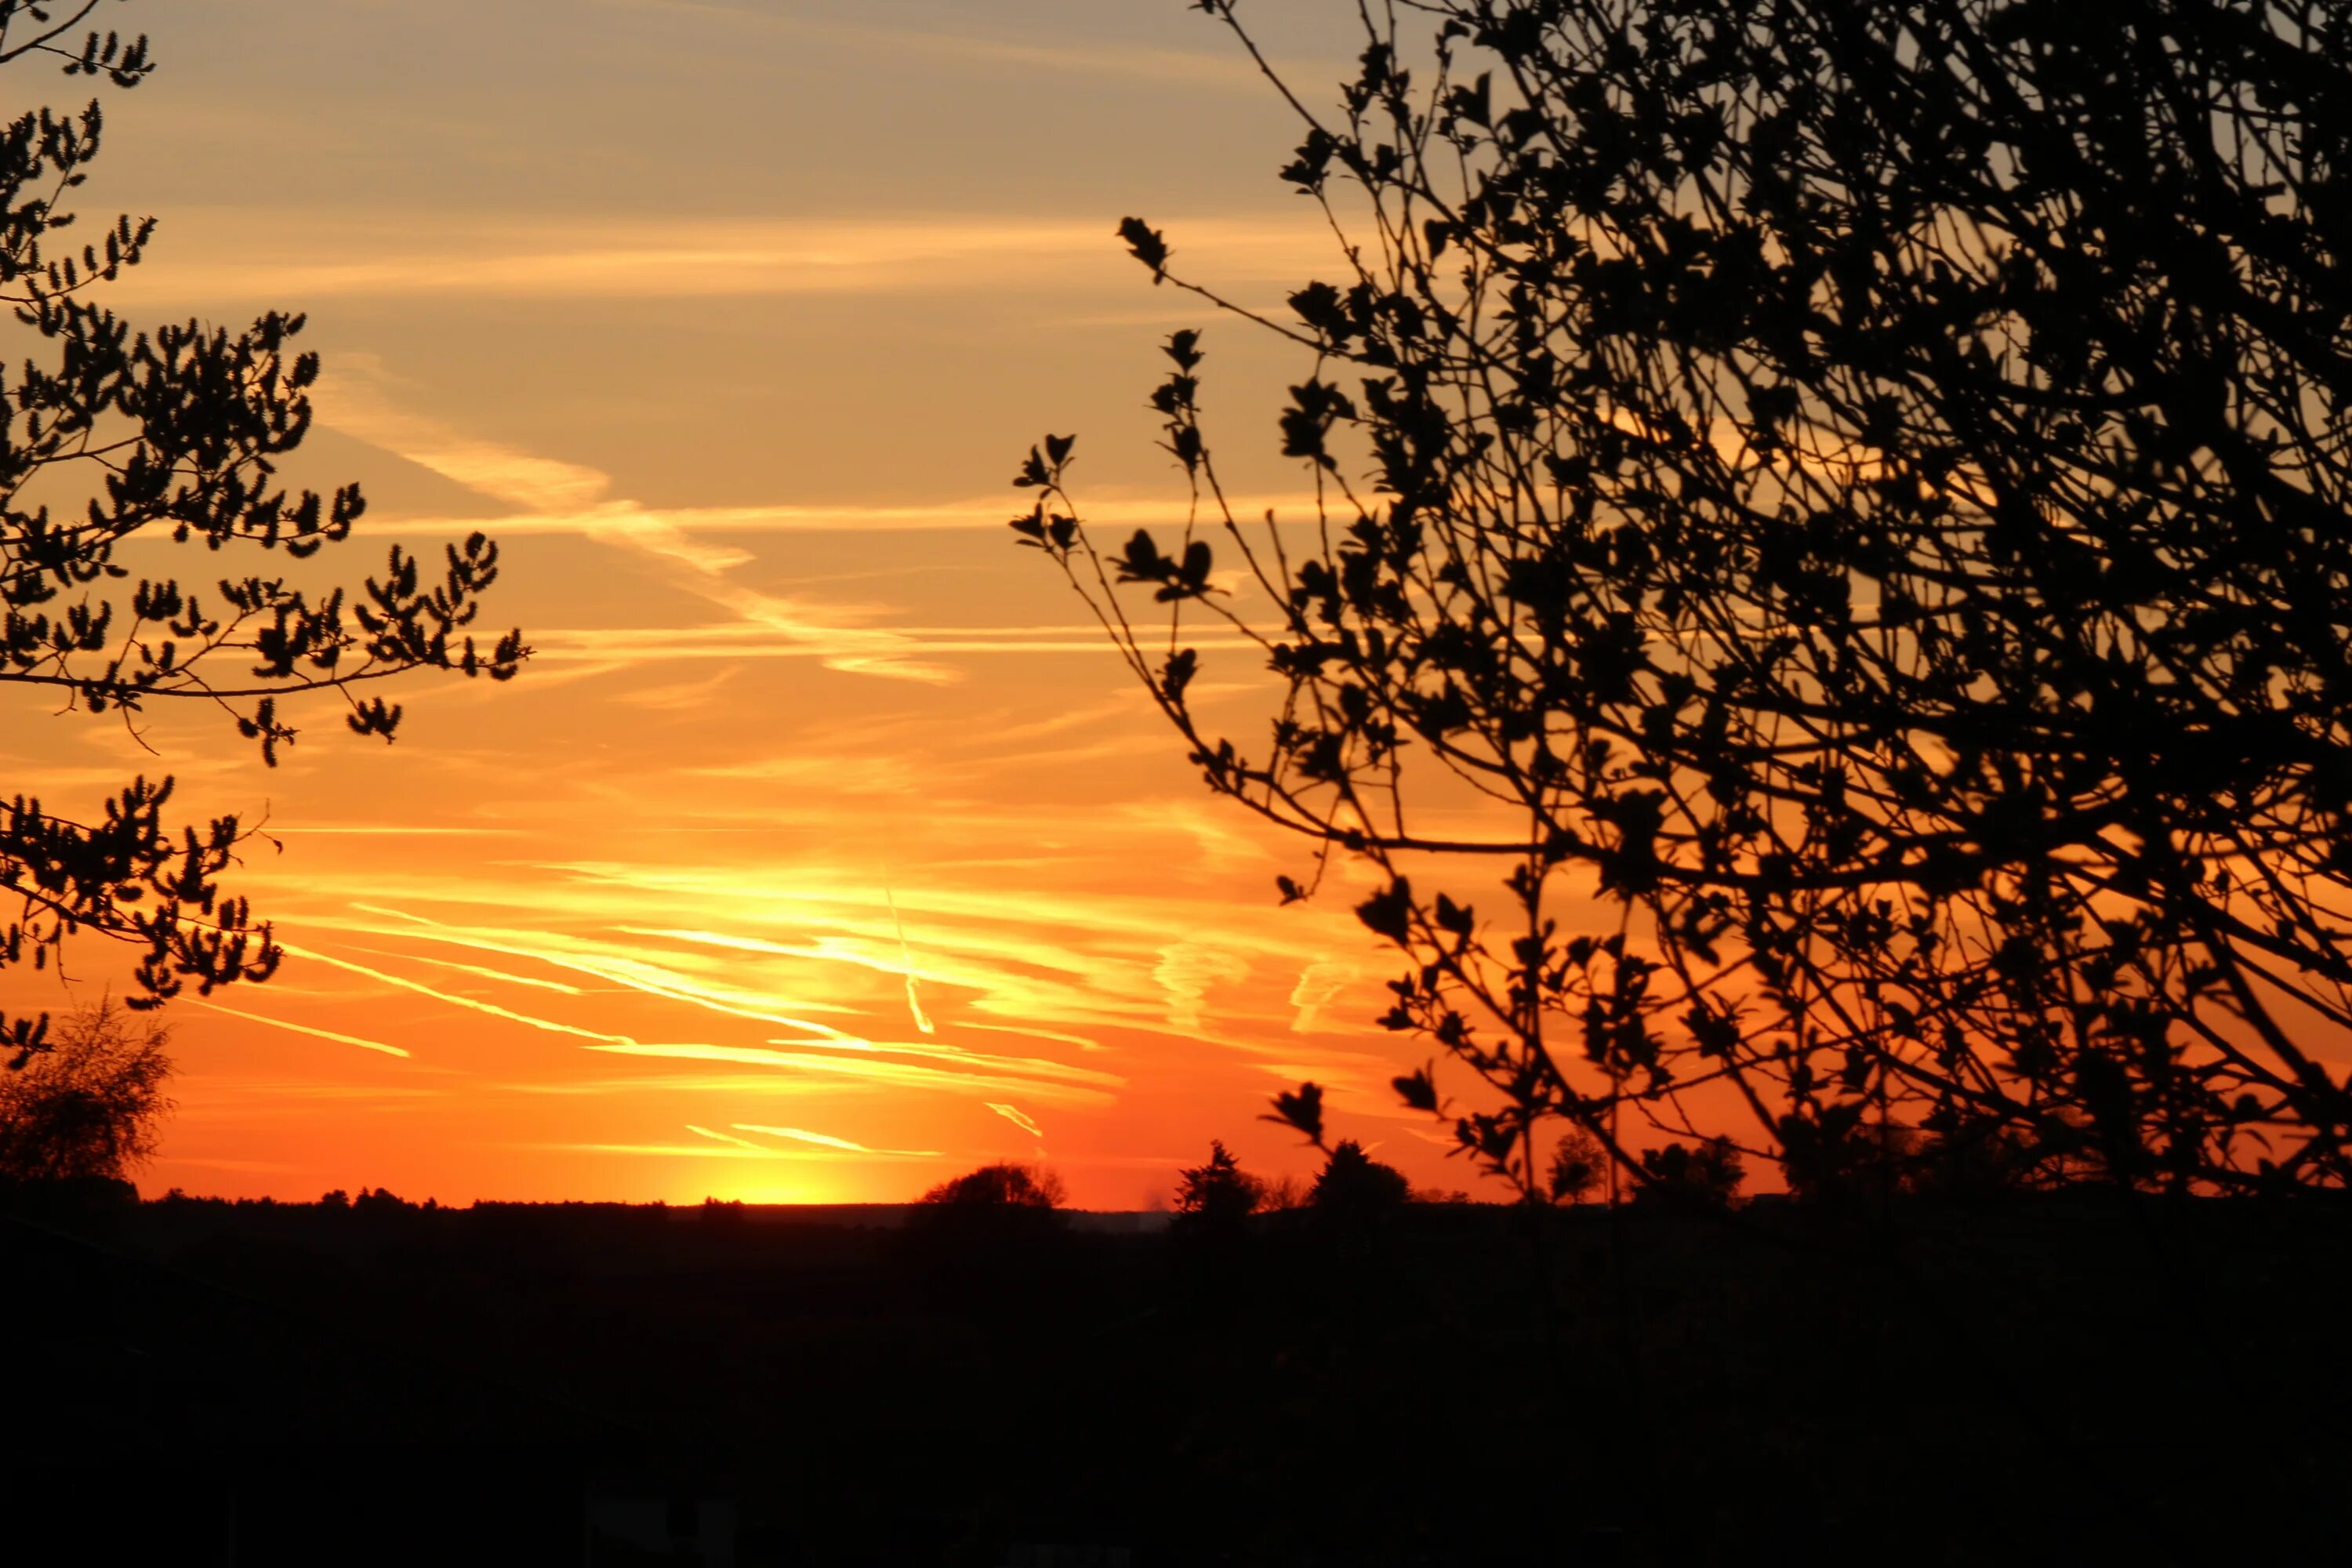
(1219, 1194)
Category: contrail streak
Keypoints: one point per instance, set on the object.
(1017, 1118)
(724, 1137)
(620, 970)
(492, 1008)
(303, 1029)
(907, 957)
(829, 1141)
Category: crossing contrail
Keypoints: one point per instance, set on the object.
(907, 958)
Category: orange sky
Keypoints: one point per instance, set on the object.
(822, 851)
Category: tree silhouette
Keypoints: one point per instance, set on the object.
(1708, 1174)
(1842, 507)
(1219, 1194)
(89, 1105)
(1354, 1183)
(170, 435)
(1003, 1184)
(1578, 1166)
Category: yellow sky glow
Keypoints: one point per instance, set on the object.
(823, 827)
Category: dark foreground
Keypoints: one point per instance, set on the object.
(2052, 1380)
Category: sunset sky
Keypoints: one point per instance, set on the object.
(822, 851)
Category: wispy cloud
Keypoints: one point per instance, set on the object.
(564, 498)
(839, 635)
(907, 654)
(982, 512)
(504, 977)
(258, 1167)
(570, 953)
(900, 1075)
(1081, 1041)
(388, 830)
(1319, 984)
(1191, 69)
(354, 402)
(683, 698)
(726, 1138)
(1041, 1067)
(327, 255)
(1187, 969)
(759, 1084)
(231, 1088)
(743, 1151)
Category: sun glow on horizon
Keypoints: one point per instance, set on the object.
(822, 843)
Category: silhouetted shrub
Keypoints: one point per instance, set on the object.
(88, 1106)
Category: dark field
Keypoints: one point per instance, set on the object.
(2050, 1380)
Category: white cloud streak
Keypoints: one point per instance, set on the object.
(492, 1008)
(726, 1138)
(835, 633)
(829, 1141)
(303, 1029)
(907, 958)
(902, 1075)
(330, 255)
(1017, 1118)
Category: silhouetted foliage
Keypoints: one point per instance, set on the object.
(382, 1201)
(1354, 1183)
(1219, 1194)
(1861, 490)
(1302, 1110)
(1835, 1159)
(1283, 1194)
(170, 436)
(88, 1106)
(1579, 1165)
(1708, 1174)
(1003, 1184)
